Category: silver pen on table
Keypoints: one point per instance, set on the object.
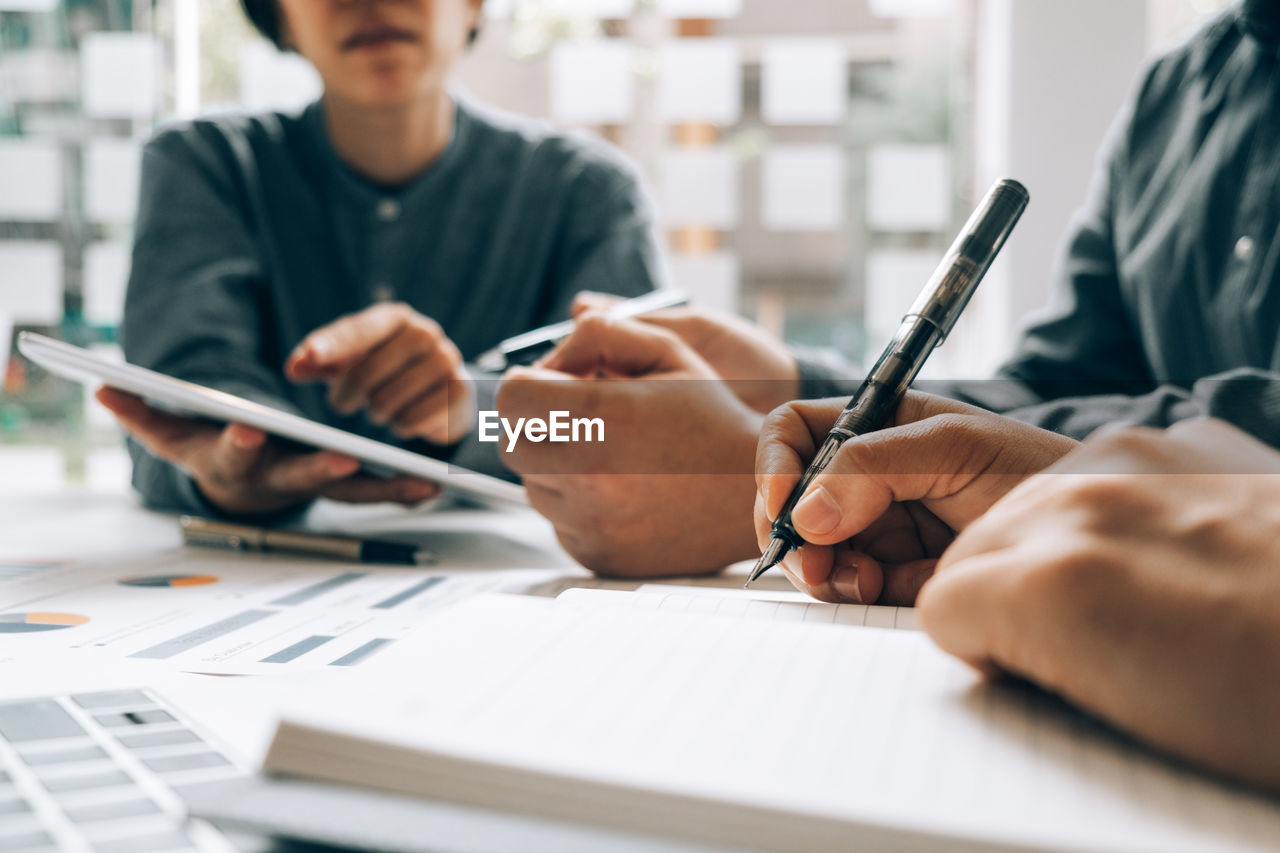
(925, 326)
(244, 537)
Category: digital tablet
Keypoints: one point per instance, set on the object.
(183, 397)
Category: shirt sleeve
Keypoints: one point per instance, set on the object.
(1083, 344)
(1081, 363)
(608, 241)
(1246, 397)
(1082, 366)
(196, 299)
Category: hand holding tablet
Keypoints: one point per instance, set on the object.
(277, 473)
(241, 470)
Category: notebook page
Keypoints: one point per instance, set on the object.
(868, 728)
(776, 606)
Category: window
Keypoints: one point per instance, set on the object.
(810, 160)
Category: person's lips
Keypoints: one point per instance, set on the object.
(376, 34)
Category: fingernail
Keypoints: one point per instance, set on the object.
(419, 491)
(245, 440)
(845, 581)
(321, 346)
(343, 467)
(817, 512)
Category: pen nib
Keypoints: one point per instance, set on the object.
(771, 557)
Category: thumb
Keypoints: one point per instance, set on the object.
(589, 300)
(618, 346)
(237, 450)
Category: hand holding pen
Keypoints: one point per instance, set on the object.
(892, 502)
(926, 325)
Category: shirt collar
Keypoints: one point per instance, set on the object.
(365, 192)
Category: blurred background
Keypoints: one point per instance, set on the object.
(810, 159)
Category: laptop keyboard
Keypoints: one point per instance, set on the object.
(100, 773)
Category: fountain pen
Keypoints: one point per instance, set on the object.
(924, 327)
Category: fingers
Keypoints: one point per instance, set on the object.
(534, 391)
(589, 300)
(959, 611)
(841, 575)
(786, 444)
(402, 368)
(305, 474)
(170, 437)
(227, 454)
(235, 453)
(619, 346)
(443, 415)
(335, 347)
(418, 379)
(394, 363)
(353, 388)
(872, 472)
(362, 488)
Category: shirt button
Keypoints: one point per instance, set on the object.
(388, 210)
(383, 292)
(1244, 248)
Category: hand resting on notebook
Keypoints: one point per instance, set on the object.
(893, 500)
(1140, 579)
(240, 470)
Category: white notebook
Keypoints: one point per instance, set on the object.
(744, 603)
(747, 733)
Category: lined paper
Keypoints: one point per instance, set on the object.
(753, 733)
(751, 604)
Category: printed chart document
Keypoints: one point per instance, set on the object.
(748, 733)
(231, 613)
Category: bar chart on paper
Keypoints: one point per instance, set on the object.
(27, 623)
(229, 613)
(169, 580)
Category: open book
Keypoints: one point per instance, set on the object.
(749, 734)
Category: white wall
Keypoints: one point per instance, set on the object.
(1051, 77)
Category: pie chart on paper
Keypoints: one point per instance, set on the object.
(27, 623)
(159, 581)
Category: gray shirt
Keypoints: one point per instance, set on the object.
(1167, 301)
(251, 233)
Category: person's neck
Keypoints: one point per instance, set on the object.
(390, 145)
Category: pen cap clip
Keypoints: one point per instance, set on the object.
(971, 255)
